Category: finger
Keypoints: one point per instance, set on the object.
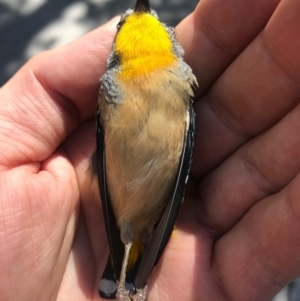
(218, 31)
(50, 95)
(262, 167)
(80, 273)
(261, 253)
(254, 93)
(79, 146)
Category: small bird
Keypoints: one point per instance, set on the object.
(145, 137)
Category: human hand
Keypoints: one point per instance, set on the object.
(236, 240)
(246, 159)
(47, 133)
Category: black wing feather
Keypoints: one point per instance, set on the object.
(114, 264)
(166, 224)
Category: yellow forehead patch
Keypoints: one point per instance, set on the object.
(143, 45)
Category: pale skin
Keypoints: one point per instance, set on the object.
(237, 239)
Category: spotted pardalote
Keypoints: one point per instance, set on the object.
(145, 136)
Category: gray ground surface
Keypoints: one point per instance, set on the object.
(30, 26)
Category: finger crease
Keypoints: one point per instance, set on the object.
(292, 203)
(273, 53)
(226, 118)
(256, 175)
(219, 282)
(217, 42)
(63, 102)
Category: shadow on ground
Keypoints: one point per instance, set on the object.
(30, 26)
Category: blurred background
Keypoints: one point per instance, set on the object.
(31, 26)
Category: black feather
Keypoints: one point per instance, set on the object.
(112, 230)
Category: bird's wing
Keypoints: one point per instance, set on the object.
(108, 283)
(165, 226)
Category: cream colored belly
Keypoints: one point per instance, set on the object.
(143, 141)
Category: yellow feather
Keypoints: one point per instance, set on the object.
(135, 251)
(144, 50)
(174, 232)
